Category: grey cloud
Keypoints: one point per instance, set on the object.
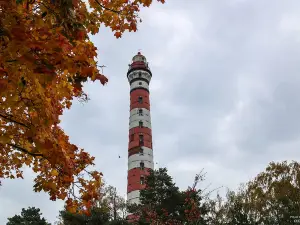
(225, 95)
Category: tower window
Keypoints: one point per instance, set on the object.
(140, 74)
(142, 181)
(132, 137)
(140, 112)
(141, 151)
(140, 100)
(142, 166)
(140, 83)
(141, 124)
(141, 139)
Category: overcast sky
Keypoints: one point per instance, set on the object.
(224, 96)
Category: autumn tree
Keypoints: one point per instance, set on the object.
(271, 198)
(109, 209)
(274, 194)
(30, 216)
(45, 57)
(233, 209)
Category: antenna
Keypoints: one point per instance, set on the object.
(102, 68)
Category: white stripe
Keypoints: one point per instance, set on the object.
(138, 117)
(136, 74)
(139, 84)
(146, 151)
(136, 124)
(136, 111)
(140, 157)
(133, 195)
(136, 164)
(134, 201)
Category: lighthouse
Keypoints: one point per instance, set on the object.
(140, 152)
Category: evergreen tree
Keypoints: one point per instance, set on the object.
(30, 216)
(98, 216)
(161, 202)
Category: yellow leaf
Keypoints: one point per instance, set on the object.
(54, 172)
(52, 186)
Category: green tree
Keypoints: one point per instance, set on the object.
(216, 211)
(236, 209)
(161, 202)
(99, 216)
(114, 202)
(30, 216)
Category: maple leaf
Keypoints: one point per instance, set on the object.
(118, 34)
(45, 57)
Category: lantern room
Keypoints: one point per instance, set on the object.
(139, 62)
(139, 58)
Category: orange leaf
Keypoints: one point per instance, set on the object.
(103, 79)
(3, 85)
(118, 34)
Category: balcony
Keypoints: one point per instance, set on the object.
(138, 65)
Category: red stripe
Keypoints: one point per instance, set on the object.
(134, 151)
(135, 137)
(134, 99)
(134, 176)
(144, 130)
(134, 144)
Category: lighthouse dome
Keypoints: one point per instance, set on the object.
(139, 58)
(139, 62)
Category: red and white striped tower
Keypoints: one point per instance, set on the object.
(140, 154)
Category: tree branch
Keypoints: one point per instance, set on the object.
(112, 10)
(25, 150)
(47, 7)
(14, 121)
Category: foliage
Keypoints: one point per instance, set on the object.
(232, 210)
(115, 203)
(163, 203)
(271, 198)
(275, 193)
(45, 57)
(97, 216)
(30, 216)
(118, 222)
(108, 210)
